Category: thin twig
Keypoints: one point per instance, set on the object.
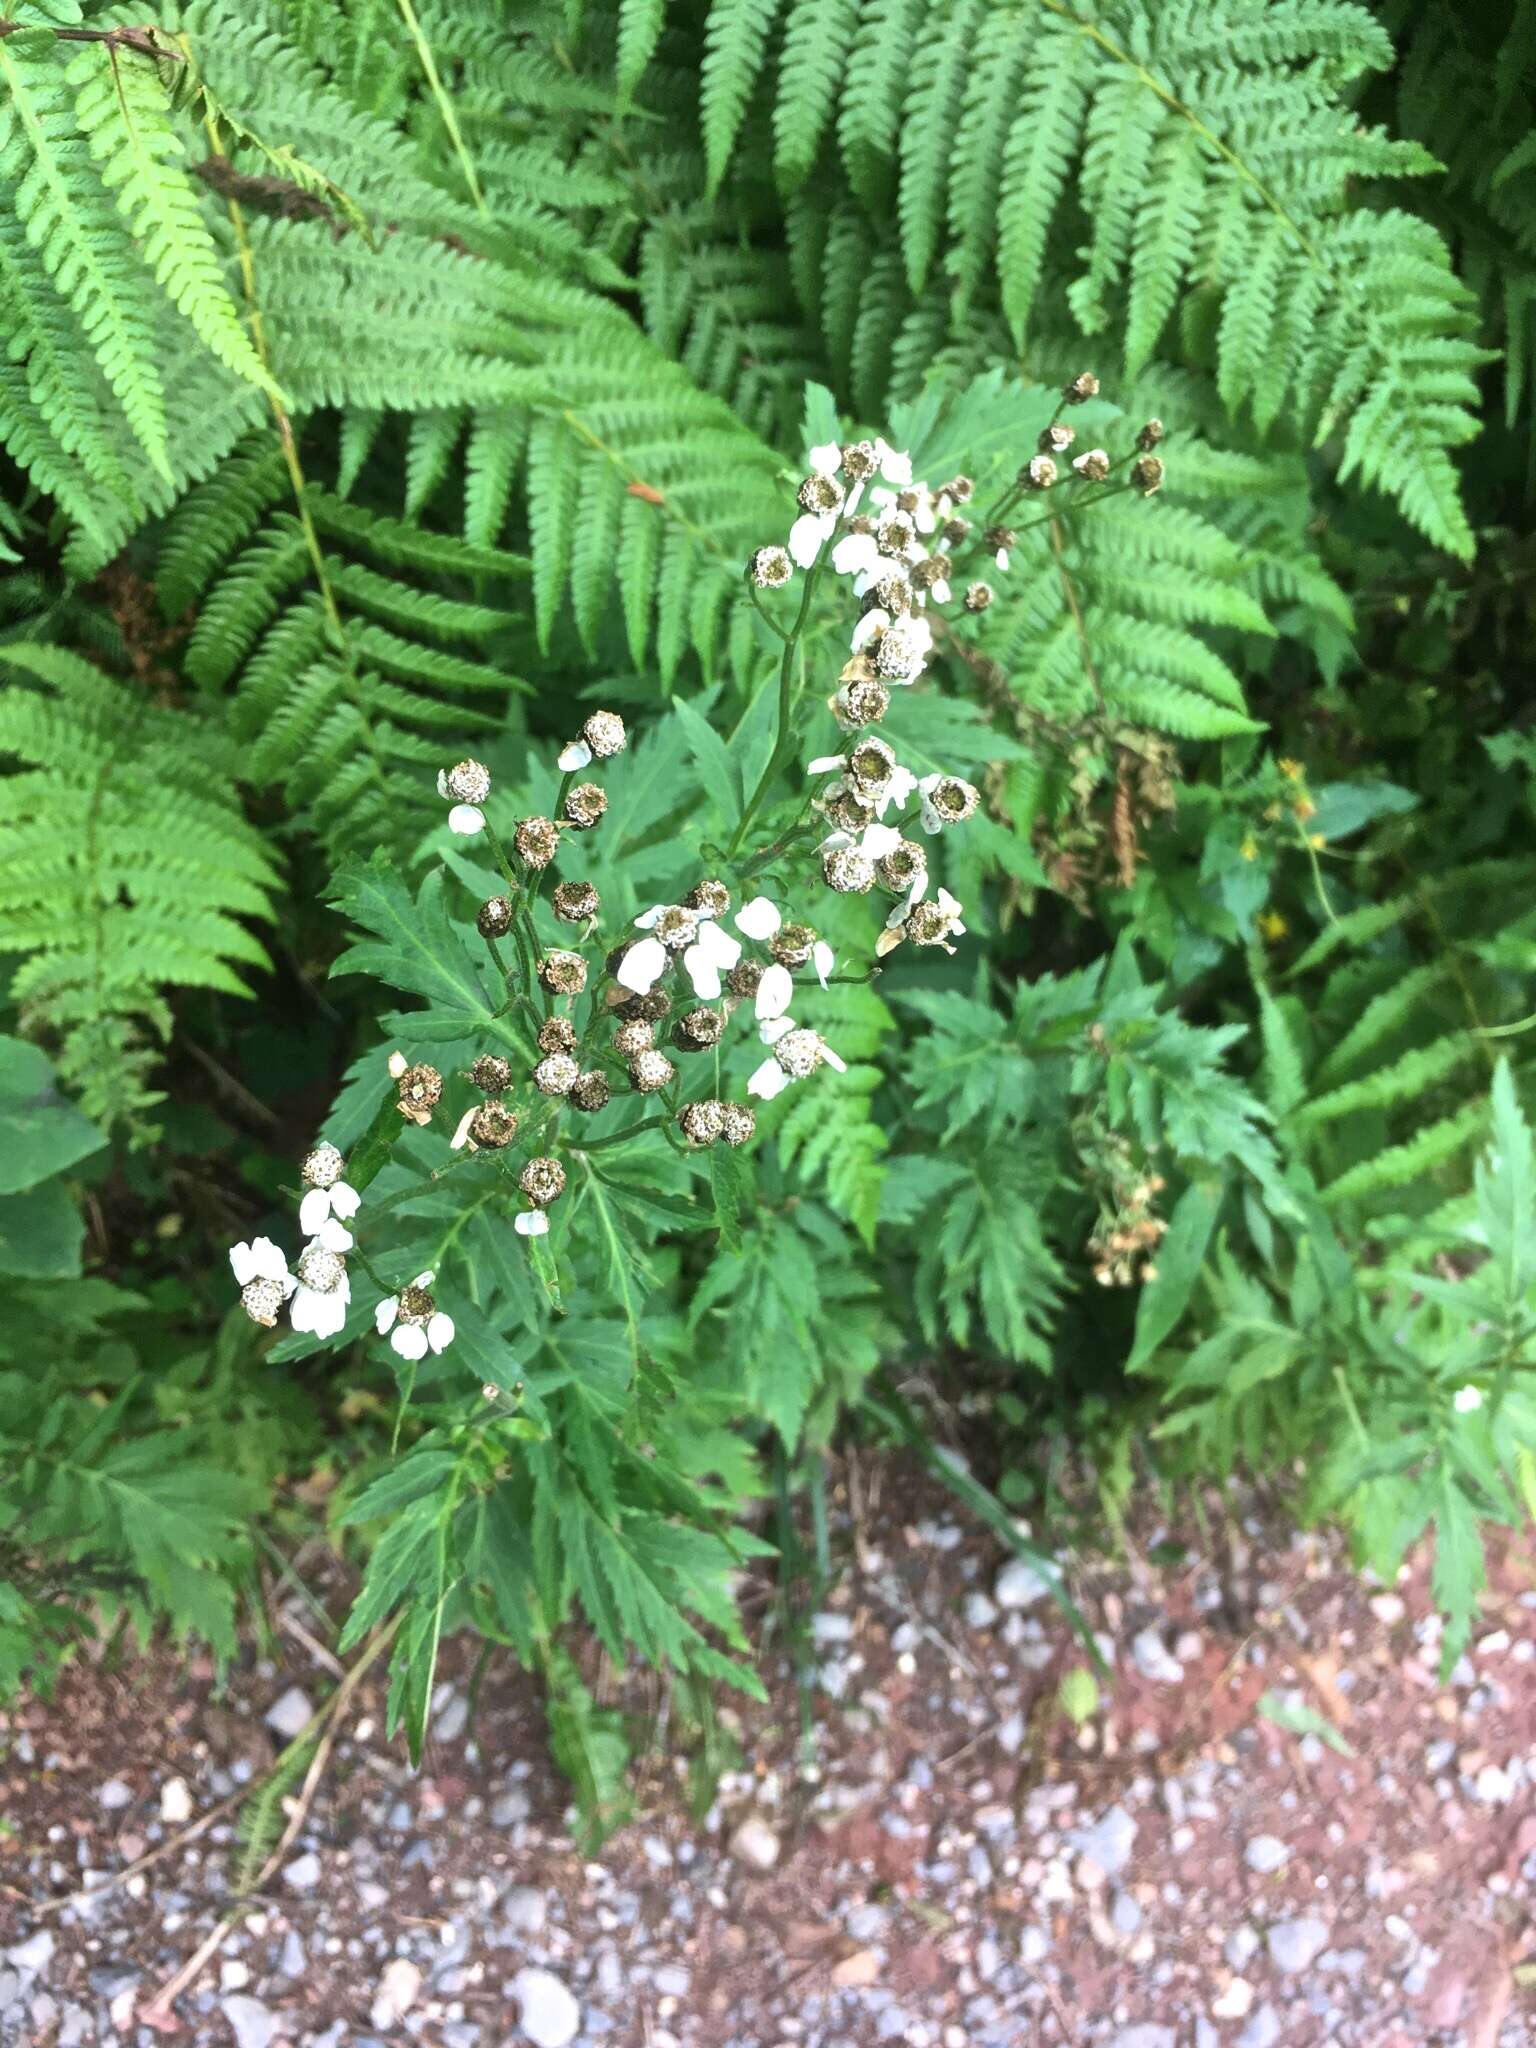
(140, 39)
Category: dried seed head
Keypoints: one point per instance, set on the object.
(323, 1167)
(739, 1122)
(872, 764)
(861, 522)
(893, 594)
(421, 1089)
(590, 1091)
(585, 805)
(927, 925)
(647, 1009)
(262, 1301)
(542, 1181)
(651, 1070)
(904, 865)
(557, 1034)
(791, 944)
(895, 534)
(863, 702)
(1147, 474)
(846, 807)
(1092, 464)
(909, 499)
(563, 973)
(847, 870)
(604, 733)
(899, 654)
(770, 568)
(634, 1035)
(1039, 473)
(798, 1053)
(699, 1029)
(556, 1074)
(322, 1272)
(676, 927)
(537, 841)
(959, 490)
(932, 569)
(576, 902)
(491, 1074)
(978, 596)
(954, 531)
(819, 493)
(1083, 387)
(468, 782)
(1149, 436)
(493, 1125)
(953, 800)
(494, 919)
(859, 461)
(701, 1123)
(416, 1305)
(709, 899)
(743, 978)
(1056, 439)
(997, 537)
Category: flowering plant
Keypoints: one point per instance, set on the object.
(631, 981)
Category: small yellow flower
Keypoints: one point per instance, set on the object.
(1304, 808)
(1292, 770)
(1273, 926)
(1250, 848)
(1318, 839)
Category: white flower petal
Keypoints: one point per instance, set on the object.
(345, 1201)
(826, 459)
(825, 764)
(772, 1029)
(895, 466)
(923, 518)
(313, 1211)
(854, 553)
(838, 1065)
(759, 919)
(805, 538)
(948, 904)
(922, 635)
(940, 592)
(384, 1315)
(410, 1340)
(305, 1313)
(242, 1261)
(466, 820)
(932, 822)
(460, 1137)
(823, 960)
(440, 1331)
(775, 992)
(702, 972)
(851, 502)
(879, 840)
(334, 1235)
(718, 945)
(642, 966)
(531, 1223)
(769, 1080)
(1467, 1400)
(870, 623)
(1001, 558)
(575, 756)
(648, 917)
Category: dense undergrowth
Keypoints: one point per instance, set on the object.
(389, 385)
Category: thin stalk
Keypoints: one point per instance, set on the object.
(444, 103)
(783, 738)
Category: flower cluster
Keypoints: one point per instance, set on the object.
(317, 1291)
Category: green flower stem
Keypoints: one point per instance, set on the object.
(762, 610)
(649, 1123)
(502, 860)
(784, 736)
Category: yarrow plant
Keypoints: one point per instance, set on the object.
(588, 1051)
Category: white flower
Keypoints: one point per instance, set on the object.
(857, 554)
(946, 800)
(575, 756)
(775, 992)
(419, 1325)
(323, 1293)
(760, 919)
(895, 466)
(321, 1213)
(531, 1223)
(1468, 1400)
(808, 536)
(713, 953)
(895, 790)
(826, 459)
(921, 514)
(265, 1281)
(796, 1053)
(1001, 558)
(643, 966)
(464, 819)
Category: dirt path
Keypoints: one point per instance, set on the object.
(957, 1866)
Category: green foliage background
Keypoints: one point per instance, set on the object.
(386, 380)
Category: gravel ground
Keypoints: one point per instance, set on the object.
(956, 1865)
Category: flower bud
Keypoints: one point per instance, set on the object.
(634, 1036)
(651, 1070)
(770, 568)
(1056, 439)
(563, 973)
(262, 1301)
(557, 1034)
(1149, 436)
(978, 596)
(791, 944)
(420, 1089)
(585, 805)
(1039, 473)
(698, 1029)
(1147, 474)
(1092, 465)
(323, 1167)
(491, 1074)
(862, 702)
(819, 494)
(542, 1181)
(1083, 387)
(556, 1074)
(604, 733)
(590, 1091)
(493, 1125)
(494, 918)
(701, 1123)
(847, 870)
(709, 899)
(576, 902)
(738, 1122)
(468, 782)
(537, 841)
